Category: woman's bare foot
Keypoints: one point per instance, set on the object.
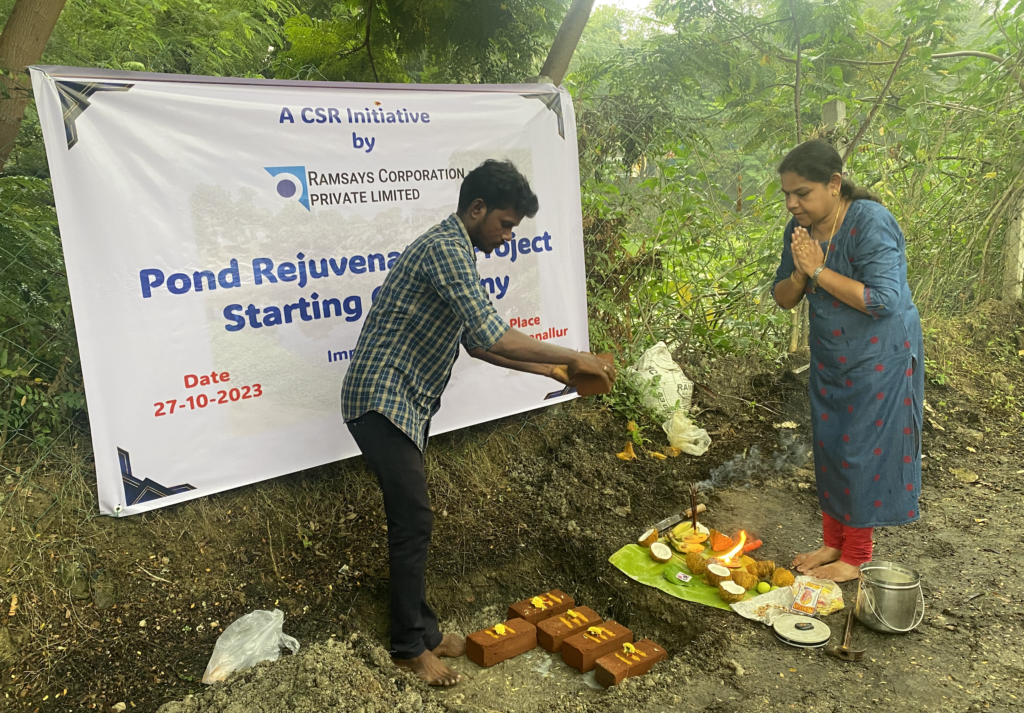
(836, 571)
(452, 646)
(809, 560)
(427, 667)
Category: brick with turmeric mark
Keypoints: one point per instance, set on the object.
(551, 604)
(553, 631)
(500, 642)
(582, 649)
(614, 668)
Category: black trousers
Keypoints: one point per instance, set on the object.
(398, 465)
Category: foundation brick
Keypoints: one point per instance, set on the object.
(614, 668)
(553, 631)
(582, 650)
(488, 647)
(541, 607)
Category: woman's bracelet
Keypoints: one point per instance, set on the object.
(792, 276)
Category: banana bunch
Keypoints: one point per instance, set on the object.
(684, 538)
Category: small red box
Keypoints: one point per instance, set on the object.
(614, 668)
(500, 642)
(542, 606)
(553, 631)
(582, 650)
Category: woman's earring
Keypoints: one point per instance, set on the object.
(835, 193)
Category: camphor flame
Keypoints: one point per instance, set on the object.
(737, 550)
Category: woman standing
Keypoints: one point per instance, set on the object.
(846, 253)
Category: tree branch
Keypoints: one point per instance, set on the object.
(743, 35)
(365, 44)
(366, 41)
(881, 97)
(878, 39)
(984, 55)
(796, 84)
(941, 55)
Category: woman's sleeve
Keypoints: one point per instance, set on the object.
(787, 266)
(879, 265)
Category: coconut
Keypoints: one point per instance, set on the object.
(648, 538)
(731, 592)
(695, 563)
(716, 573)
(744, 578)
(660, 552)
(782, 578)
(762, 570)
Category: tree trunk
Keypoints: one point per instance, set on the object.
(1013, 256)
(22, 42)
(557, 63)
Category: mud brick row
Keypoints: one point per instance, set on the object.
(501, 642)
(541, 607)
(630, 660)
(582, 650)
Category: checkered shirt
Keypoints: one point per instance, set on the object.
(430, 302)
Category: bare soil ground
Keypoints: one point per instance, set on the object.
(127, 611)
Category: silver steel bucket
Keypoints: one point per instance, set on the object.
(889, 598)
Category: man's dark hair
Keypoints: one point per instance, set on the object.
(500, 186)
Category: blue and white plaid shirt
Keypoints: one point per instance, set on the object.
(430, 302)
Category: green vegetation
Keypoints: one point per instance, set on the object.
(682, 115)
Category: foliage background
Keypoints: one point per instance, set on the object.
(683, 113)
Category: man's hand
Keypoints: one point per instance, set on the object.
(588, 364)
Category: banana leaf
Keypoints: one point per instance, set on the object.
(635, 562)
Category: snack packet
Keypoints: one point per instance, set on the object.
(806, 601)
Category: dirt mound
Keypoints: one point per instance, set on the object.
(356, 675)
(330, 676)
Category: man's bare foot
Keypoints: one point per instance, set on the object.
(427, 667)
(809, 560)
(452, 646)
(836, 571)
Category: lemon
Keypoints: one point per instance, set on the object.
(763, 587)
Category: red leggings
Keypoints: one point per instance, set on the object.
(853, 542)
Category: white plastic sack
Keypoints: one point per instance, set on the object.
(674, 390)
(256, 637)
(685, 436)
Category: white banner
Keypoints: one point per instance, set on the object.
(224, 240)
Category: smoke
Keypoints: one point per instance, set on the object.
(739, 471)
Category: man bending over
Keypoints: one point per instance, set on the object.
(430, 302)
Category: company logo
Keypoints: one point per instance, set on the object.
(291, 183)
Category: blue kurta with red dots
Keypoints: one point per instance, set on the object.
(867, 375)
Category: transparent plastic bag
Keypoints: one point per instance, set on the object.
(674, 389)
(685, 436)
(255, 637)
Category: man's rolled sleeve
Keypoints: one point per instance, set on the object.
(450, 268)
(879, 264)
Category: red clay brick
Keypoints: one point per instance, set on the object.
(487, 647)
(614, 668)
(582, 650)
(553, 631)
(551, 603)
